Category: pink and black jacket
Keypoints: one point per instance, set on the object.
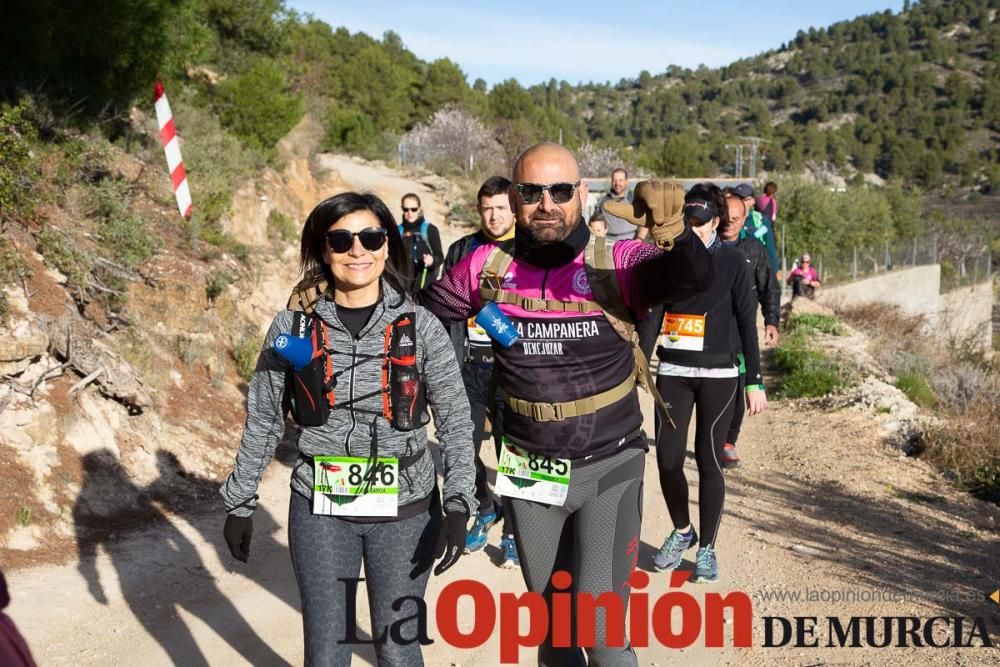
(565, 356)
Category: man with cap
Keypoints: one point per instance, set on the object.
(755, 224)
(569, 380)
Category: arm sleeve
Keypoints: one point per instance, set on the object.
(456, 330)
(649, 276)
(772, 246)
(264, 425)
(768, 290)
(452, 416)
(434, 241)
(453, 255)
(452, 298)
(745, 313)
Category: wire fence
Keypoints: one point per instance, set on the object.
(960, 267)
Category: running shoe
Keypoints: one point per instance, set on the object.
(730, 459)
(479, 533)
(706, 568)
(672, 552)
(508, 549)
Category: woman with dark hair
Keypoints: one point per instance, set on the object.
(356, 362)
(698, 372)
(767, 203)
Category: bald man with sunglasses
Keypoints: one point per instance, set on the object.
(569, 382)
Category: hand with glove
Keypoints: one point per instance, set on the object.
(657, 205)
(451, 542)
(238, 531)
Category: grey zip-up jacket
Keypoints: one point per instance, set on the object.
(348, 431)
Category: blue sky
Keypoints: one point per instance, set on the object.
(585, 40)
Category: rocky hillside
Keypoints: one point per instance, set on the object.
(148, 385)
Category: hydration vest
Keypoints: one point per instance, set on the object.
(309, 391)
(601, 274)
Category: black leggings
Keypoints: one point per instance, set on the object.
(594, 537)
(736, 423)
(477, 387)
(397, 555)
(714, 398)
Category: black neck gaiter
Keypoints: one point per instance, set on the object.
(551, 255)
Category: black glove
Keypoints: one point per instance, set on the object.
(451, 542)
(238, 531)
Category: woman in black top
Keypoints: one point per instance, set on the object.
(698, 367)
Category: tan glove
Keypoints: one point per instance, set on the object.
(657, 205)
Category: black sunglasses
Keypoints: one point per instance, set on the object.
(410, 210)
(531, 193)
(342, 240)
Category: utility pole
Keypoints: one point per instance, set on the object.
(755, 144)
(738, 172)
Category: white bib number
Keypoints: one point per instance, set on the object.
(529, 476)
(351, 486)
(683, 332)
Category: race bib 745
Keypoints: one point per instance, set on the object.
(682, 331)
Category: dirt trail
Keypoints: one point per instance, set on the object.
(820, 505)
(391, 185)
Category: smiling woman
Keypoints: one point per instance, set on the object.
(353, 269)
(355, 362)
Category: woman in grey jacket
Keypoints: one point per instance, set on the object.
(363, 489)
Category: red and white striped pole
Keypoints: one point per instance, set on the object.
(172, 148)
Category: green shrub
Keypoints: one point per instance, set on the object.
(61, 252)
(349, 130)
(23, 516)
(128, 239)
(245, 352)
(806, 372)
(12, 266)
(17, 166)
(256, 106)
(823, 323)
(283, 225)
(216, 161)
(917, 388)
(215, 283)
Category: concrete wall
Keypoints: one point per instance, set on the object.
(963, 315)
(915, 290)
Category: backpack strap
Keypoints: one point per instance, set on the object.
(304, 299)
(602, 273)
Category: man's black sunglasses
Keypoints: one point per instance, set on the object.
(410, 210)
(531, 193)
(342, 240)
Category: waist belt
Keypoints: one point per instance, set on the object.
(557, 412)
(404, 461)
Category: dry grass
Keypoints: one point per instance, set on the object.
(959, 386)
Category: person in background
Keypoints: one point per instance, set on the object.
(756, 225)
(422, 243)
(14, 651)
(698, 374)
(475, 355)
(803, 278)
(767, 203)
(768, 292)
(619, 228)
(598, 225)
